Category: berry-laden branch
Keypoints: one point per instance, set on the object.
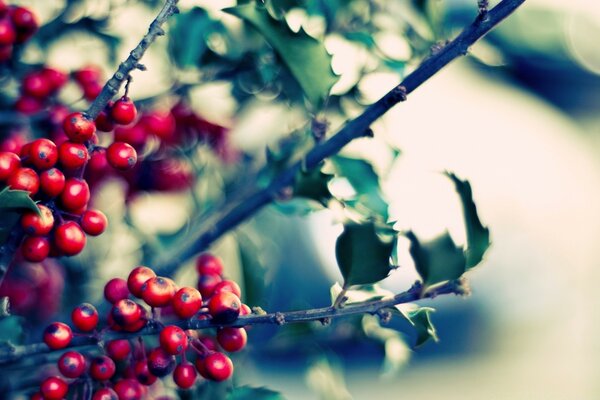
(216, 225)
(325, 314)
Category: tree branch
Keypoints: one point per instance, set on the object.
(416, 292)
(216, 225)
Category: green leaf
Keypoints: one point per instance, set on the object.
(305, 57)
(313, 185)
(438, 260)
(362, 256)
(478, 236)
(11, 330)
(13, 200)
(360, 293)
(253, 393)
(397, 352)
(421, 320)
(189, 35)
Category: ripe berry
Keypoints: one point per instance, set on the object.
(55, 77)
(160, 124)
(121, 156)
(185, 375)
(25, 179)
(69, 238)
(143, 374)
(228, 286)
(87, 74)
(78, 127)
(224, 307)
(57, 335)
(85, 317)
(25, 23)
(207, 283)
(173, 340)
(43, 154)
(72, 155)
(71, 364)
(52, 182)
(102, 368)
(186, 302)
(118, 349)
(91, 90)
(232, 339)
(28, 105)
(37, 85)
(9, 163)
(126, 312)
(8, 35)
(54, 388)
(137, 277)
(35, 248)
(104, 123)
(105, 394)
(75, 195)
(123, 111)
(209, 264)
(38, 225)
(217, 367)
(160, 363)
(129, 389)
(245, 310)
(158, 291)
(93, 222)
(135, 135)
(98, 162)
(115, 290)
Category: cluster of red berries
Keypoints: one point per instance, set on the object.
(17, 25)
(216, 299)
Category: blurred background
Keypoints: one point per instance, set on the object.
(518, 118)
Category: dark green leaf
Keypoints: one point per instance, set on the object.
(313, 185)
(16, 200)
(11, 330)
(189, 35)
(478, 236)
(253, 393)
(421, 320)
(438, 260)
(304, 56)
(278, 8)
(362, 256)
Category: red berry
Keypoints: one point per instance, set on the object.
(158, 291)
(104, 123)
(8, 35)
(93, 222)
(71, 364)
(25, 23)
(115, 290)
(75, 195)
(28, 105)
(102, 368)
(43, 154)
(245, 310)
(173, 340)
(121, 156)
(25, 179)
(185, 375)
(54, 388)
(143, 374)
(136, 327)
(57, 335)
(207, 284)
(6, 54)
(88, 74)
(160, 363)
(232, 339)
(129, 389)
(78, 127)
(9, 163)
(209, 264)
(52, 182)
(38, 225)
(137, 278)
(123, 111)
(105, 394)
(209, 342)
(126, 312)
(69, 238)
(218, 367)
(160, 124)
(186, 302)
(91, 90)
(85, 317)
(118, 349)
(228, 286)
(224, 307)
(56, 78)
(35, 248)
(72, 155)
(98, 162)
(37, 85)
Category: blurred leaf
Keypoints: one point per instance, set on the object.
(438, 260)
(11, 330)
(253, 393)
(278, 8)
(478, 236)
(304, 56)
(187, 38)
(361, 255)
(359, 293)
(253, 269)
(397, 352)
(298, 206)
(421, 320)
(325, 377)
(313, 185)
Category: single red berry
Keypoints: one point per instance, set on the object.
(43, 154)
(54, 388)
(126, 312)
(118, 349)
(93, 222)
(38, 224)
(25, 179)
(104, 123)
(121, 156)
(85, 317)
(209, 264)
(75, 195)
(129, 389)
(56, 78)
(158, 291)
(98, 163)
(72, 155)
(209, 343)
(69, 238)
(8, 35)
(24, 153)
(52, 182)
(137, 277)
(87, 74)
(143, 374)
(28, 105)
(57, 335)
(160, 363)
(185, 375)
(91, 90)
(134, 134)
(160, 124)
(25, 23)
(139, 325)
(218, 367)
(245, 310)
(186, 302)
(102, 368)
(173, 340)
(35, 248)
(207, 283)
(224, 307)
(71, 364)
(9, 163)
(123, 111)
(232, 339)
(115, 290)
(228, 286)
(78, 127)
(105, 394)
(37, 85)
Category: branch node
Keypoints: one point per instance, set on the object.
(325, 321)
(319, 129)
(396, 95)
(279, 318)
(483, 6)
(141, 67)
(369, 133)
(385, 316)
